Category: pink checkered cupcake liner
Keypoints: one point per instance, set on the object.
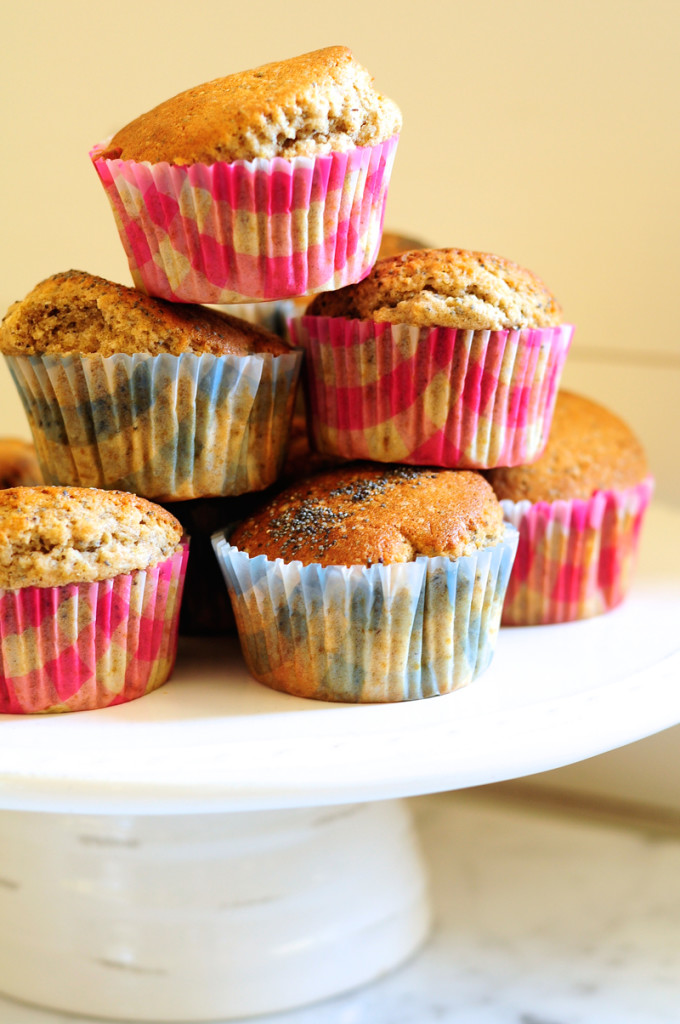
(431, 396)
(575, 559)
(90, 645)
(249, 230)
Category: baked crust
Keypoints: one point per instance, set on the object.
(589, 449)
(445, 288)
(78, 312)
(51, 536)
(317, 103)
(364, 514)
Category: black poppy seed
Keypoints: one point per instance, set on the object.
(305, 525)
(313, 522)
(361, 490)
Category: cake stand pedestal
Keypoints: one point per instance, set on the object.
(206, 916)
(218, 849)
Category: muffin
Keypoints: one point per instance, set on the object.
(18, 463)
(440, 357)
(370, 584)
(90, 590)
(266, 184)
(579, 511)
(167, 400)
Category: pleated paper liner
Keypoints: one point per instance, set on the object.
(273, 316)
(575, 559)
(166, 427)
(368, 634)
(431, 396)
(90, 645)
(249, 230)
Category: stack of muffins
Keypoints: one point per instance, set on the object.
(380, 579)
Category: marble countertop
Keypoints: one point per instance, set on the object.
(540, 917)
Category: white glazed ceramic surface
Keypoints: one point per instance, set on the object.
(205, 917)
(214, 739)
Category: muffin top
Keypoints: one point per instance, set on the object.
(18, 463)
(50, 536)
(364, 514)
(317, 103)
(445, 288)
(78, 312)
(589, 449)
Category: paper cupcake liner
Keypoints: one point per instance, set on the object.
(368, 634)
(575, 559)
(249, 230)
(431, 396)
(89, 645)
(273, 316)
(166, 427)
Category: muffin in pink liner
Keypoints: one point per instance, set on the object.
(579, 510)
(370, 584)
(263, 185)
(129, 392)
(90, 591)
(439, 357)
(430, 396)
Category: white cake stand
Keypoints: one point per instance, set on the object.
(216, 849)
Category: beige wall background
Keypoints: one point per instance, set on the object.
(543, 130)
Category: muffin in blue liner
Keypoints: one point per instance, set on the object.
(368, 634)
(168, 427)
(168, 400)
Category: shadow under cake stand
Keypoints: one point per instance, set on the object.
(218, 849)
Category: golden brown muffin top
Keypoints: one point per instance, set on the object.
(445, 288)
(364, 514)
(78, 312)
(317, 103)
(18, 463)
(50, 536)
(589, 449)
